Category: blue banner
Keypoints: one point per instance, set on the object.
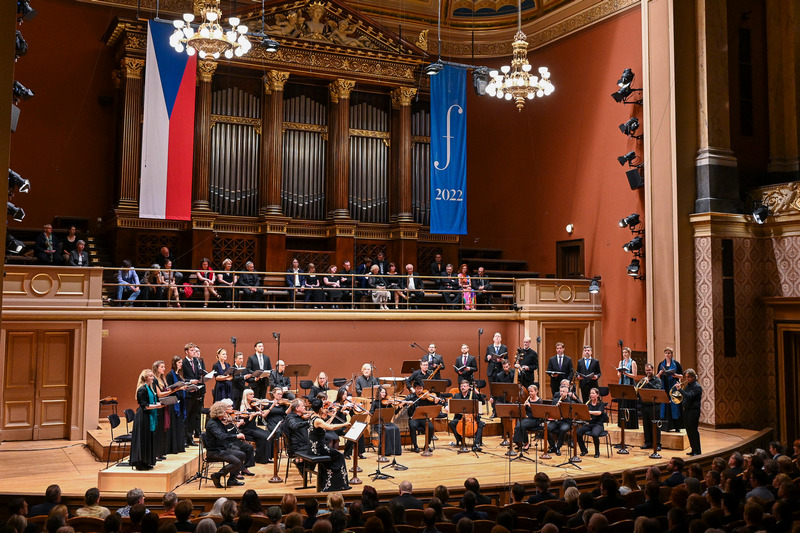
(449, 151)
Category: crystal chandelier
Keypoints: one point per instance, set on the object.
(516, 81)
(210, 39)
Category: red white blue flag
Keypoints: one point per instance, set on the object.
(168, 129)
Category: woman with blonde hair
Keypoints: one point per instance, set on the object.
(143, 453)
(225, 281)
(167, 439)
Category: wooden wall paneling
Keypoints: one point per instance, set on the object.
(54, 362)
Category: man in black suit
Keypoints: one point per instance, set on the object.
(588, 372)
(259, 361)
(411, 285)
(193, 371)
(250, 283)
(482, 286)
(383, 264)
(47, 247)
(294, 280)
(278, 379)
(466, 365)
(560, 367)
(647, 410)
(449, 289)
(455, 424)
(346, 284)
(79, 257)
(692, 394)
(495, 354)
(676, 477)
(437, 267)
(406, 499)
(527, 363)
(435, 362)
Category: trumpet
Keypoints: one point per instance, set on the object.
(675, 394)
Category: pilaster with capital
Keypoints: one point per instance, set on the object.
(271, 167)
(401, 154)
(202, 135)
(338, 183)
(130, 76)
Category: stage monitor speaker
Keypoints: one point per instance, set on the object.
(635, 179)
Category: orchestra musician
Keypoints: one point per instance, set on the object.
(421, 374)
(223, 387)
(435, 362)
(465, 393)
(239, 383)
(506, 375)
(419, 397)
(588, 372)
(259, 361)
(220, 447)
(692, 394)
(250, 410)
(560, 367)
(345, 406)
(527, 363)
(391, 433)
(143, 453)
(275, 413)
(558, 430)
(466, 365)
(366, 380)
(671, 372)
(528, 423)
(650, 382)
(320, 385)
(628, 377)
(495, 354)
(597, 410)
(233, 427)
(295, 429)
(278, 379)
(332, 474)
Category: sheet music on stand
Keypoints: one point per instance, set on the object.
(355, 431)
(275, 431)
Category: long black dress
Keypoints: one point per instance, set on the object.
(222, 389)
(143, 455)
(259, 436)
(176, 442)
(391, 433)
(274, 417)
(333, 473)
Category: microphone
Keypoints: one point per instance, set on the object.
(412, 345)
(538, 340)
(480, 331)
(619, 342)
(276, 335)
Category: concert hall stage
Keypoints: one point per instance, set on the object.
(28, 468)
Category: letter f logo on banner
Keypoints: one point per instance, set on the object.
(449, 151)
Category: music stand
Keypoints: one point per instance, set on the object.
(654, 396)
(464, 407)
(428, 412)
(409, 366)
(507, 393)
(357, 426)
(574, 411)
(297, 370)
(380, 417)
(545, 411)
(436, 386)
(276, 454)
(622, 393)
(511, 411)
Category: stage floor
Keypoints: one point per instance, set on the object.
(29, 467)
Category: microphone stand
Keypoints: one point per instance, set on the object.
(277, 337)
(479, 357)
(394, 464)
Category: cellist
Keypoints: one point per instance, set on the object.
(473, 426)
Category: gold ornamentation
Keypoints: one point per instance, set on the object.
(341, 88)
(420, 139)
(277, 79)
(205, 70)
(300, 126)
(326, 25)
(132, 67)
(116, 78)
(240, 121)
(422, 40)
(402, 96)
(783, 198)
(369, 133)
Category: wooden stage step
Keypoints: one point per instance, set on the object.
(164, 477)
(635, 437)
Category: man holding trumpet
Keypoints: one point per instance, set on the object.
(691, 393)
(649, 381)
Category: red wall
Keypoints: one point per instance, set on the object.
(534, 172)
(64, 141)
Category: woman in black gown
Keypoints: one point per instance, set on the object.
(251, 429)
(176, 375)
(275, 414)
(166, 440)
(223, 387)
(332, 474)
(225, 283)
(391, 433)
(347, 407)
(143, 455)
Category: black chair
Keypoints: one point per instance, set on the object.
(129, 416)
(338, 382)
(122, 441)
(206, 462)
(306, 385)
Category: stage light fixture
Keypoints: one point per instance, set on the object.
(630, 127)
(434, 68)
(625, 89)
(594, 286)
(13, 246)
(25, 11)
(20, 46)
(15, 212)
(631, 221)
(18, 182)
(627, 158)
(627, 78)
(634, 245)
(270, 45)
(760, 212)
(20, 92)
(633, 268)
(480, 80)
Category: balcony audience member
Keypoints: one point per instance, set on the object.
(69, 243)
(79, 257)
(250, 282)
(225, 282)
(127, 283)
(482, 286)
(47, 247)
(205, 279)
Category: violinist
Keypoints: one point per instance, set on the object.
(332, 474)
(419, 397)
(421, 374)
(595, 426)
(232, 424)
(472, 425)
(276, 410)
(296, 430)
(344, 406)
(528, 423)
(558, 430)
(320, 385)
(250, 411)
(220, 447)
(391, 433)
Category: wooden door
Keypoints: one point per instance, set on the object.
(36, 396)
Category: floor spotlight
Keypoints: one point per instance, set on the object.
(633, 268)
(434, 68)
(634, 245)
(594, 286)
(627, 158)
(760, 212)
(16, 212)
(630, 127)
(631, 221)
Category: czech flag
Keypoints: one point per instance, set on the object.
(168, 129)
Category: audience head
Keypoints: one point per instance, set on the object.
(250, 504)
(508, 519)
(134, 496)
(149, 522)
(355, 511)
(753, 513)
(693, 485)
(718, 465)
(293, 519)
(18, 505)
(398, 513)
(369, 497)
(676, 464)
(676, 517)
(472, 484)
(609, 486)
(112, 523)
(714, 496)
(549, 528)
(385, 516)
(585, 500)
(17, 523)
(405, 487)
(311, 506)
(205, 525)
(542, 482)
(465, 525)
(470, 501)
(436, 504)
(442, 493)
(646, 525)
(696, 504)
(137, 512)
(597, 523)
(679, 496)
(288, 503)
(651, 490)
(653, 474)
(52, 494)
(373, 525)
(571, 495)
(429, 517)
(229, 510)
(169, 500)
(629, 479)
(338, 521)
(244, 522)
(735, 460)
(183, 510)
(91, 497)
(274, 514)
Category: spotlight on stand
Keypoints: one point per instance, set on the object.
(18, 182)
(630, 221)
(634, 245)
(594, 286)
(270, 45)
(625, 89)
(627, 158)
(634, 268)
(434, 68)
(20, 92)
(13, 246)
(15, 212)
(760, 212)
(20, 46)
(635, 179)
(25, 11)
(629, 128)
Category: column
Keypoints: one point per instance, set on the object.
(401, 153)
(338, 150)
(130, 79)
(271, 167)
(202, 135)
(715, 166)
